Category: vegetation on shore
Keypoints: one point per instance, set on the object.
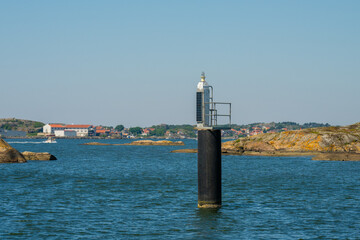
(281, 125)
(32, 128)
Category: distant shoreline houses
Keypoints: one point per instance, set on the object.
(76, 130)
(17, 128)
(165, 131)
(59, 130)
(87, 130)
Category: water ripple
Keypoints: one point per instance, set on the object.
(129, 192)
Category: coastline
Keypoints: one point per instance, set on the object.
(319, 156)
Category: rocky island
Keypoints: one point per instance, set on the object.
(324, 143)
(155, 143)
(140, 143)
(8, 154)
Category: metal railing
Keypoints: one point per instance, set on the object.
(214, 115)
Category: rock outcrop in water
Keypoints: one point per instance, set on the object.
(312, 141)
(155, 143)
(98, 144)
(140, 143)
(325, 143)
(9, 154)
(184, 151)
(42, 156)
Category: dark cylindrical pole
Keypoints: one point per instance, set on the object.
(209, 169)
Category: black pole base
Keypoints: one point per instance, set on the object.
(209, 169)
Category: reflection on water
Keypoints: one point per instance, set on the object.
(207, 223)
(207, 213)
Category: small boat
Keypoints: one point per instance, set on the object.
(50, 140)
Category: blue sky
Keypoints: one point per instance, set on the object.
(137, 63)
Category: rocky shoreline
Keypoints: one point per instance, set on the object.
(337, 156)
(315, 155)
(325, 143)
(252, 153)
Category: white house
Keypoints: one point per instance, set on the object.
(81, 130)
(49, 129)
(68, 130)
(65, 133)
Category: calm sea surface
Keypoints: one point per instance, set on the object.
(146, 192)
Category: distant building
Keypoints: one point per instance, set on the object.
(102, 132)
(65, 133)
(147, 131)
(49, 129)
(72, 130)
(81, 130)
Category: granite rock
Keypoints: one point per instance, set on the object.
(42, 156)
(9, 154)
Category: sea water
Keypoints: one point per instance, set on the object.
(146, 192)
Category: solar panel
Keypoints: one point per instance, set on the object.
(199, 106)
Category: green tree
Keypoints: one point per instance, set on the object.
(38, 124)
(135, 130)
(159, 132)
(119, 128)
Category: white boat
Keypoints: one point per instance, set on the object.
(50, 140)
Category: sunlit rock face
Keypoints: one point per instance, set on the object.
(325, 139)
(9, 154)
